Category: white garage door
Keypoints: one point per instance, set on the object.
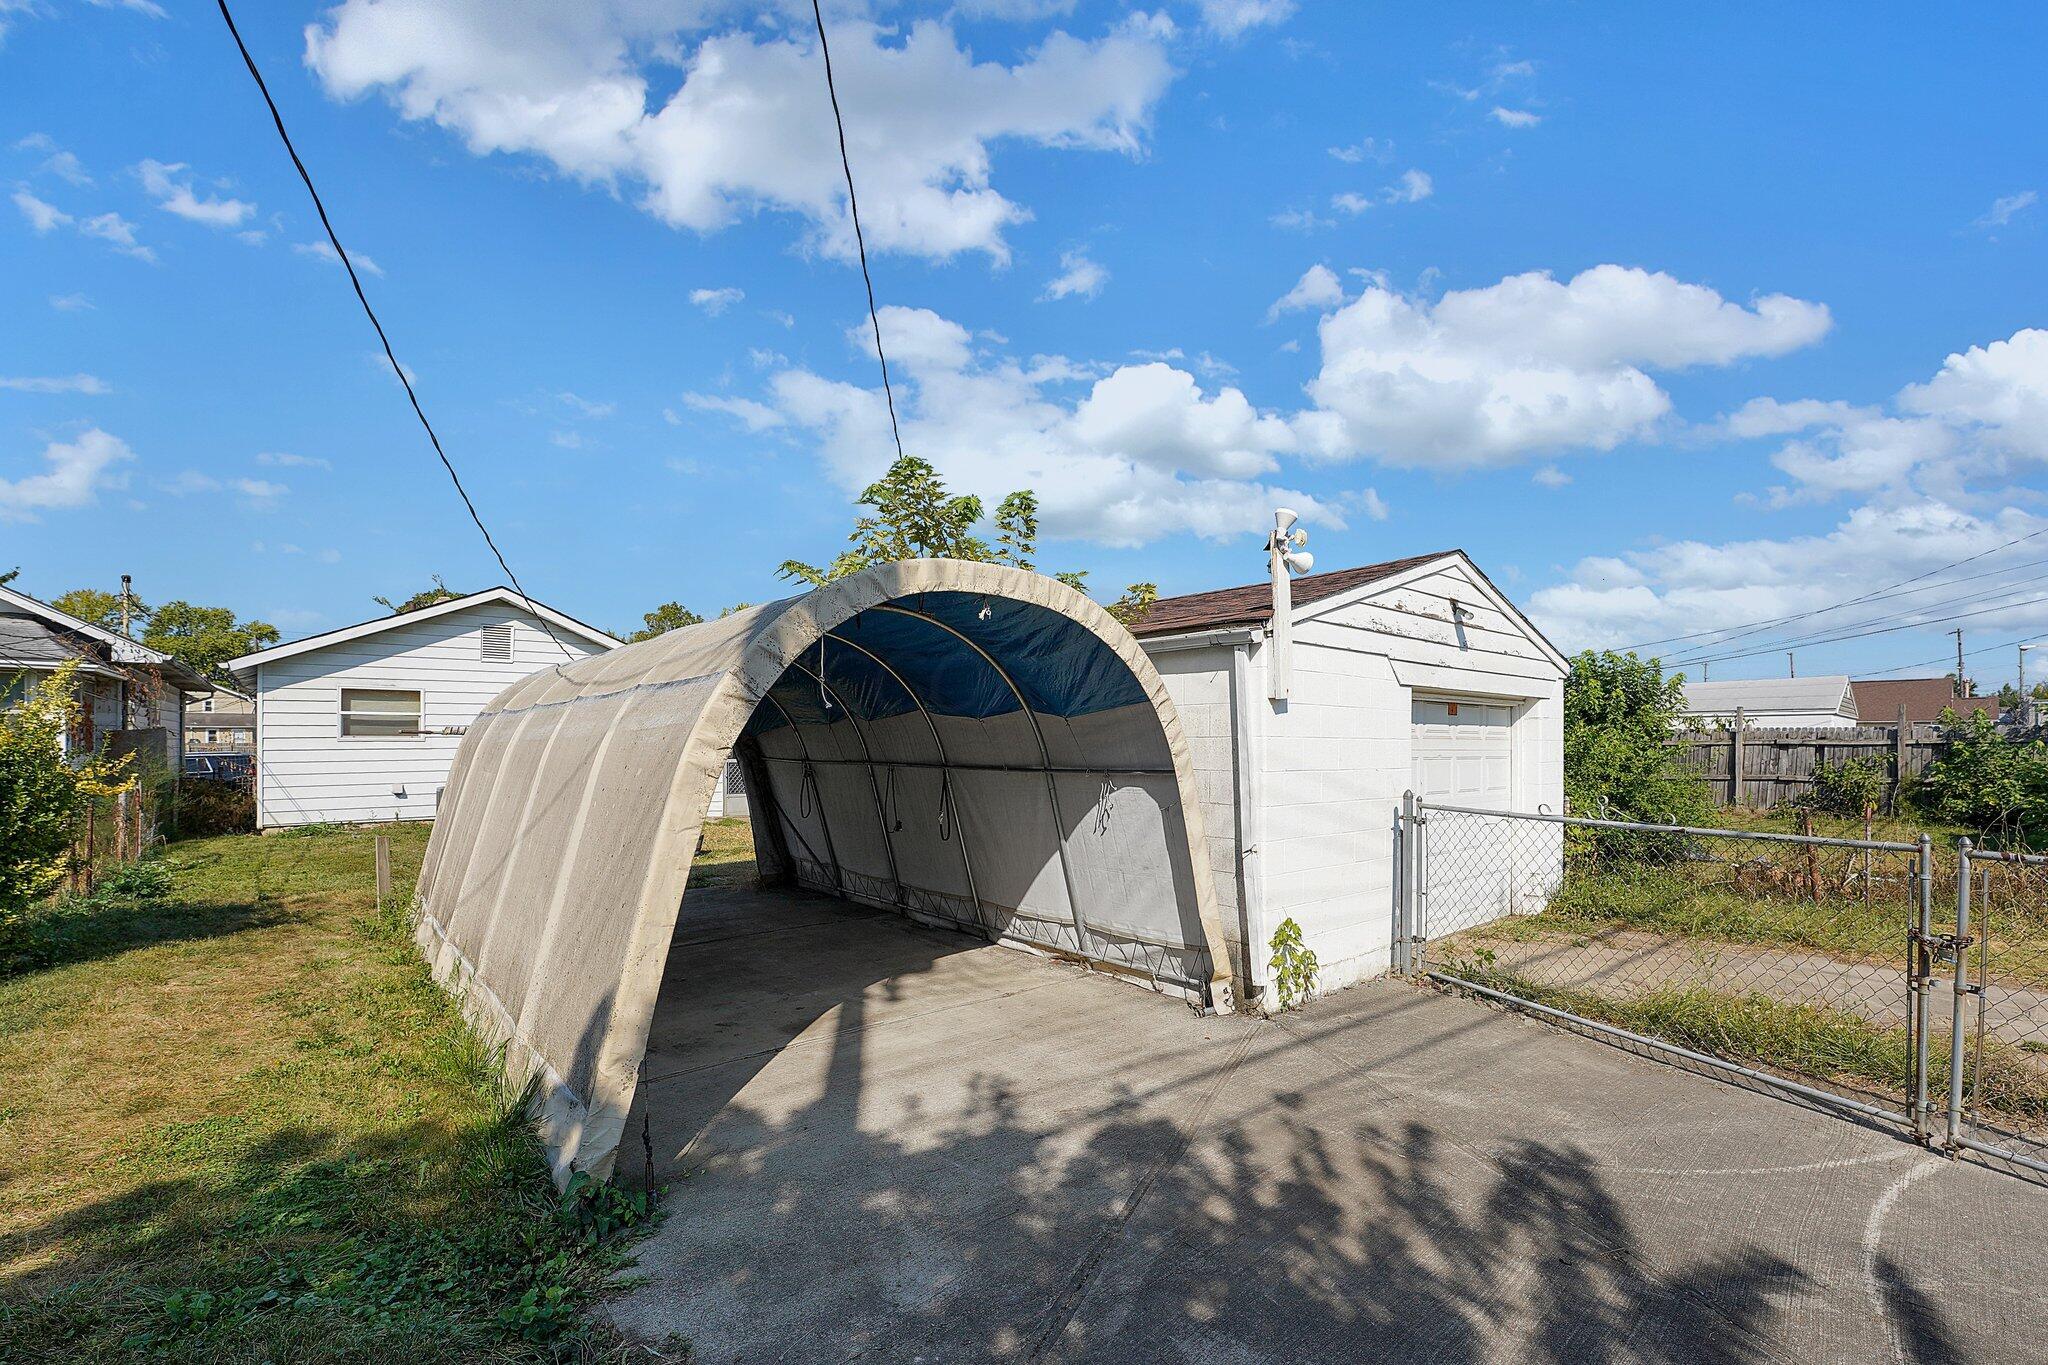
(1461, 758)
(1461, 753)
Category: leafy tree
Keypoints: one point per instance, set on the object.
(205, 638)
(663, 619)
(41, 793)
(734, 608)
(1852, 787)
(2008, 696)
(1136, 601)
(916, 518)
(102, 609)
(1984, 780)
(1017, 528)
(1618, 712)
(425, 597)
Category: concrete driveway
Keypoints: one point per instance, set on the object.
(895, 1144)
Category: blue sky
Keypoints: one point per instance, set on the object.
(1675, 320)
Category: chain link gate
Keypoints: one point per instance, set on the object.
(1998, 1078)
(1819, 966)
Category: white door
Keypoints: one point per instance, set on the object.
(1462, 756)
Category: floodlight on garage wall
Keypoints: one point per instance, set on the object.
(1285, 557)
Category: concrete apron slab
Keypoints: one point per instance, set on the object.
(891, 1143)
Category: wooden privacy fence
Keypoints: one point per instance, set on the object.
(1763, 768)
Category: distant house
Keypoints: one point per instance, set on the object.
(131, 697)
(1817, 703)
(1878, 700)
(361, 723)
(220, 721)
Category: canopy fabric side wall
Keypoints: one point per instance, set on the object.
(556, 870)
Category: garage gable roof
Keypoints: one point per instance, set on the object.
(1252, 604)
(291, 648)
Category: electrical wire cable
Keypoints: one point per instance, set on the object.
(1750, 626)
(859, 241)
(1885, 630)
(1921, 612)
(341, 252)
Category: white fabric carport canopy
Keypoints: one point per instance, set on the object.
(966, 742)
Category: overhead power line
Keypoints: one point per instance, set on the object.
(1749, 627)
(1923, 612)
(341, 253)
(859, 241)
(1884, 630)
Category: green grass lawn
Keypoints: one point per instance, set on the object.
(241, 1123)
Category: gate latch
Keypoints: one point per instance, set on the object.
(1950, 947)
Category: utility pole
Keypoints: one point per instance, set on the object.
(126, 581)
(1791, 664)
(1958, 633)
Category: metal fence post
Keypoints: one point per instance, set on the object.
(1418, 930)
(1918, 972)
(1955, 1032)
(1404, 872)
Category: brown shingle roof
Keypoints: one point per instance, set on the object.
(1878, 701)
(1253, 602)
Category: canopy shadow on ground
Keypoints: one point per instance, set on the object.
(882, 1141)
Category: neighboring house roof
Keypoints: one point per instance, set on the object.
(1878, 700)
(1827, 694)
(44, 636)
(291, 648)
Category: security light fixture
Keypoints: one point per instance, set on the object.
(1284, 557)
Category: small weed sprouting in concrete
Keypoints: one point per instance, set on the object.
(1294, 966)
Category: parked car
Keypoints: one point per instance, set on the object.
(219, 767)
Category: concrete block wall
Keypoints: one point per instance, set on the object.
(1335, 762)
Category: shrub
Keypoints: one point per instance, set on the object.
(1984, 780)
(146, 879)
(1854, 787)
(42, 794)
(207, 807)
(1619, 711)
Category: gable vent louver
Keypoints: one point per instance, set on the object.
(497, 643)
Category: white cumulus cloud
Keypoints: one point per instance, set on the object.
(716, 301)
(1121, 458)
(76, 472)
(1079, 276)
(749, 127)
(171, 187)
(60, 383)
(1529, 365)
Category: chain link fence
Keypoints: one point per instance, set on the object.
(1783, 956)
(2000, 1007)
(1906, 982)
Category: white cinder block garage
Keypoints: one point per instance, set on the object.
(1417, 674)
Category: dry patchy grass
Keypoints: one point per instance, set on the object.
(242, 1124)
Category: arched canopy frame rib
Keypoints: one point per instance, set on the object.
(810, 780)
(582, 902)
(867, 754)
(1052, 786)
(947, 810)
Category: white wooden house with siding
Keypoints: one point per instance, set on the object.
(1417, 674)
(361, 723)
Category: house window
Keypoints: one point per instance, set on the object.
(367, 714)
(497, 642)
(206, 705)
(213, 736)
